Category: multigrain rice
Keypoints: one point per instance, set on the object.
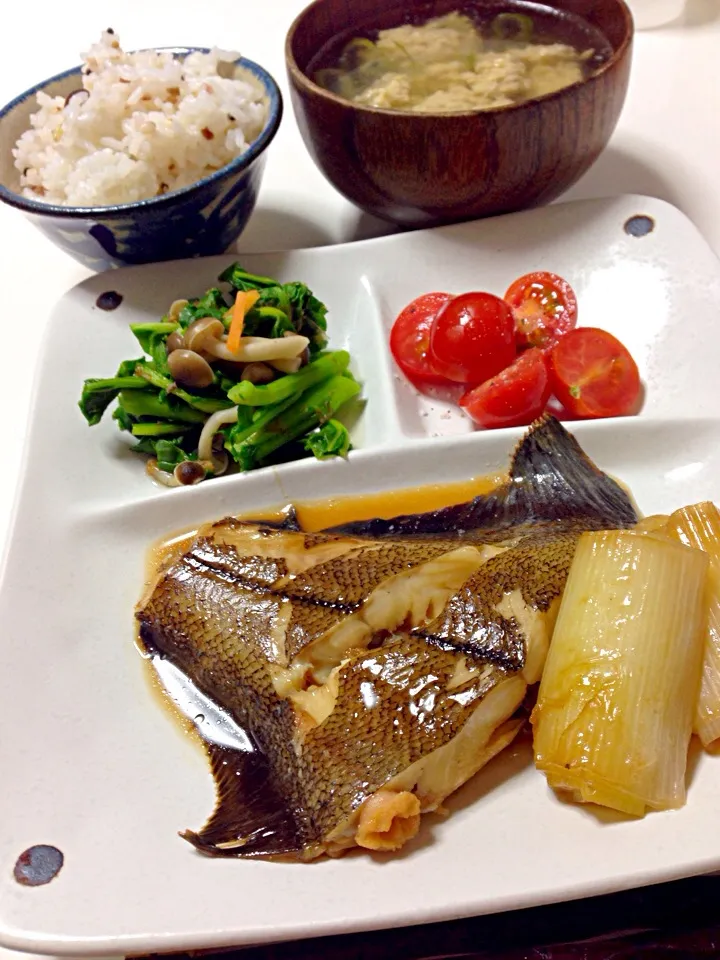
(143, 124)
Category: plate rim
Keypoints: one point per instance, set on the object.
(15, 939)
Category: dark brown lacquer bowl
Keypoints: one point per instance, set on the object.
(424, 169)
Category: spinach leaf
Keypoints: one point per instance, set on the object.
(294, 418)
(309, 314)
(211, 304)
(322, 368)
(97, 395)
(168, 453)
(123, 419)
(261, 321)
(207, 403)
(152, 338)
(331, 440)
(282, 325)
(154, 405)
(305, 313)
(146, 445)
(242, 280)
(159, 429)
(127, 367)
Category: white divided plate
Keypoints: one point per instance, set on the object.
(92, 764)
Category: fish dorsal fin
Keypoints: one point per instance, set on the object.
(287, 519)
(551, 479)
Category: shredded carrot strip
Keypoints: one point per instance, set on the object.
(244, 301)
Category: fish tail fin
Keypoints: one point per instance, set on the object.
(250, 818)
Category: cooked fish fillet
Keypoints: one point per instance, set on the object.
(375, 668)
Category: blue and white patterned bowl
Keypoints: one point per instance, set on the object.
(199, 220)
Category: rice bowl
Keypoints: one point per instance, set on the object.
(201, 219)
(140, 125)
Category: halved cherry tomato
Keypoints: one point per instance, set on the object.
(545, 309)
(515, 397)
(472, 338)
(410, 337)
(593, 375)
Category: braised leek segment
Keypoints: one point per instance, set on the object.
(617, 699)
(699, 526)
(654, 525)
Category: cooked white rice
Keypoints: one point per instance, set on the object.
(145, 125)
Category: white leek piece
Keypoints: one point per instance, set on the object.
(616, 703)
(656, 524)
(699, 526)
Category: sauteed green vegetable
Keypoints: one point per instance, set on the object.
(240, 376)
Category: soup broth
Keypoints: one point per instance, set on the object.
(477, 58)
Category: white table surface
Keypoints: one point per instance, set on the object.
(667, 145)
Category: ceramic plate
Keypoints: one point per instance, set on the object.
(93, 764)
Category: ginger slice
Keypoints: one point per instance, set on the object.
(388, 820)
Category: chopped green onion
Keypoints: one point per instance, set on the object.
(513, 26)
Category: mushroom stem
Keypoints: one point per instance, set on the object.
(259, 348)
(287, 366)
(176, 308)
(162, 476)
(212, 425)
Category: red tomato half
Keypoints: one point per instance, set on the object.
(472, 338)
(593, 375)
(545, 309)
(410, 337)
(513, 398)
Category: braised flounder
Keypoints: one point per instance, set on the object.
(374, 667)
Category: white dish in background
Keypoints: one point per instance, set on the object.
(95, 766)
(649, 14)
